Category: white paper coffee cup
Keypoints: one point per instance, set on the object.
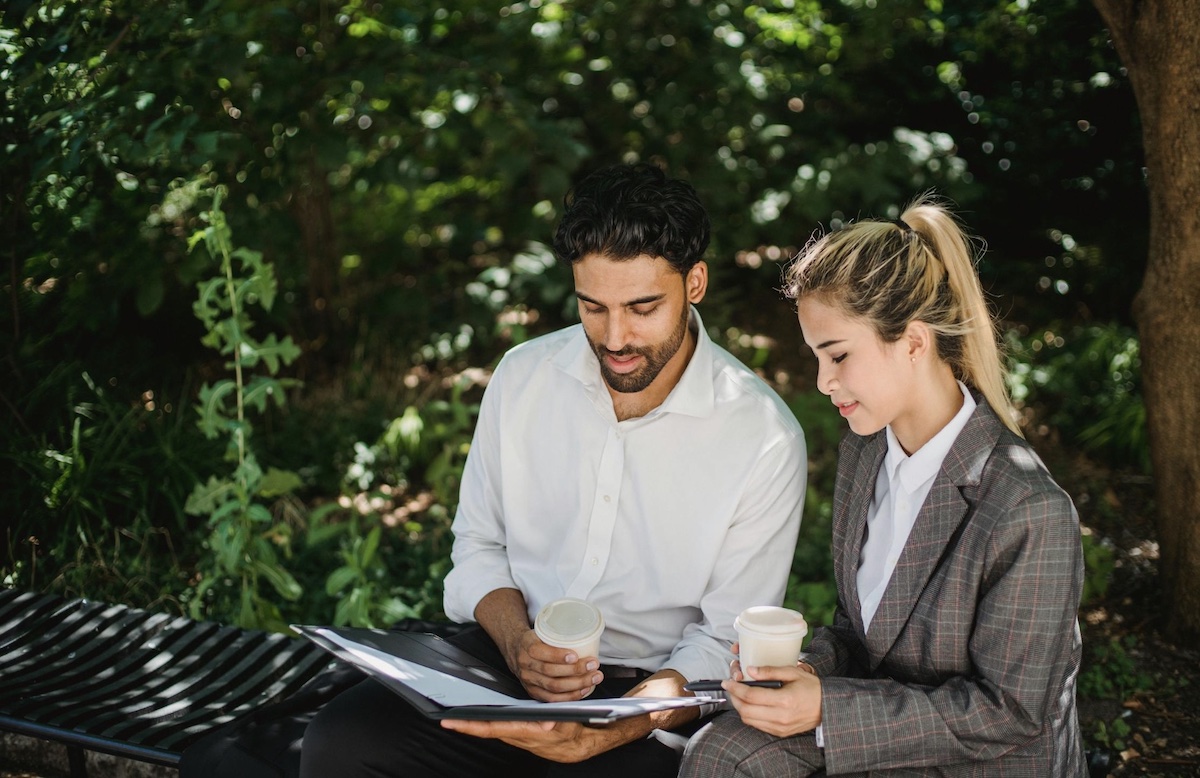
(571, 623)
(769, 636)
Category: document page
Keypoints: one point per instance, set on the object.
(453, 692)
(440, 687)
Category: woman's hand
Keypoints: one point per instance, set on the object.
(790, 710)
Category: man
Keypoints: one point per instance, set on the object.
(628, 461)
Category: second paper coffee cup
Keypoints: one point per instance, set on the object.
(769, 636)
(571, 623)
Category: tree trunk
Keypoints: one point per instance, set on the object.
(1159, 43)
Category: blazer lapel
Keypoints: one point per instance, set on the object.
(934, 533)
(850, 527)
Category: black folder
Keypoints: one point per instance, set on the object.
(443, 681)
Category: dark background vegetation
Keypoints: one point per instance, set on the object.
(393, 171)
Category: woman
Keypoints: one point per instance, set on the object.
(955, 645)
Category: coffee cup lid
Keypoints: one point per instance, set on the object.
(771, 620)
(569, 619)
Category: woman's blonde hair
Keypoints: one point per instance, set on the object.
(920, 267)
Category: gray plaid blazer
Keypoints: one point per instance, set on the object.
(969, 666)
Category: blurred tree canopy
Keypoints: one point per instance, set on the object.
(382, 154)
(401, 165)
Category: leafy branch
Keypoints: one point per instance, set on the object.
(244, 539)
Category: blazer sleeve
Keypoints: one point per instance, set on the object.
(1020, 616)
(836, 649)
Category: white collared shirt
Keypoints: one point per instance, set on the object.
(671, 523)
(901, 487)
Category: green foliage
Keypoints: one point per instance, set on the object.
(1112, 672)
(393, 523)
(243, 536)
(90, 495)
(437, 436)
(365, 597)
(1087, 380)
(400, 167)
(1112, 735)
(371, 148)
(390, 568)
(1099, 561)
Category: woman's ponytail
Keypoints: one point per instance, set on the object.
(979, 363)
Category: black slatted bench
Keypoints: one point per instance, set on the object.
(132, 683)
(145, 686)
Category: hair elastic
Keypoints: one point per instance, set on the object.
(903, 225)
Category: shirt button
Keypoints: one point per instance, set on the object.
(607, 498)
(595, 561)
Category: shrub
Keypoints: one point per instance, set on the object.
(1086, 382)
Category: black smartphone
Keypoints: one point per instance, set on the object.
(715, 686)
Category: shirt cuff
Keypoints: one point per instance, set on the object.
(820, 734)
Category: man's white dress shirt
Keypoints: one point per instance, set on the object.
(671, 523)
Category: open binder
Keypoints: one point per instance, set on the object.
(443, 681)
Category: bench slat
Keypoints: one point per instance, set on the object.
(133, 683)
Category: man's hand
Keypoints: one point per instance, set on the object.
(549, 674)
(562, 741)
(573, 742)
(552, 674)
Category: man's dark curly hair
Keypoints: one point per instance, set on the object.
(625, 211)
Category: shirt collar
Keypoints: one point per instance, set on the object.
(924, 463)
(692, 396)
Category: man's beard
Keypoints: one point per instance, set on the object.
(656, 358)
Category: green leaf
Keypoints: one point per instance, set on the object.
(150, 295)
(212, 409)
(211, 302)
(224, 509)
(394, 609)
(370, 547)
(205, 497)
(273, 349)
(248, 615)
(228, 543)
(196, 237)
(248, 472)
(339, 579)
(345, 609)
(259, 513)
(260, 389)
(196, 609)
(277, 482)
(320, 529)
(280, 579)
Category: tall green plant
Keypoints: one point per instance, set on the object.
(244, 536)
